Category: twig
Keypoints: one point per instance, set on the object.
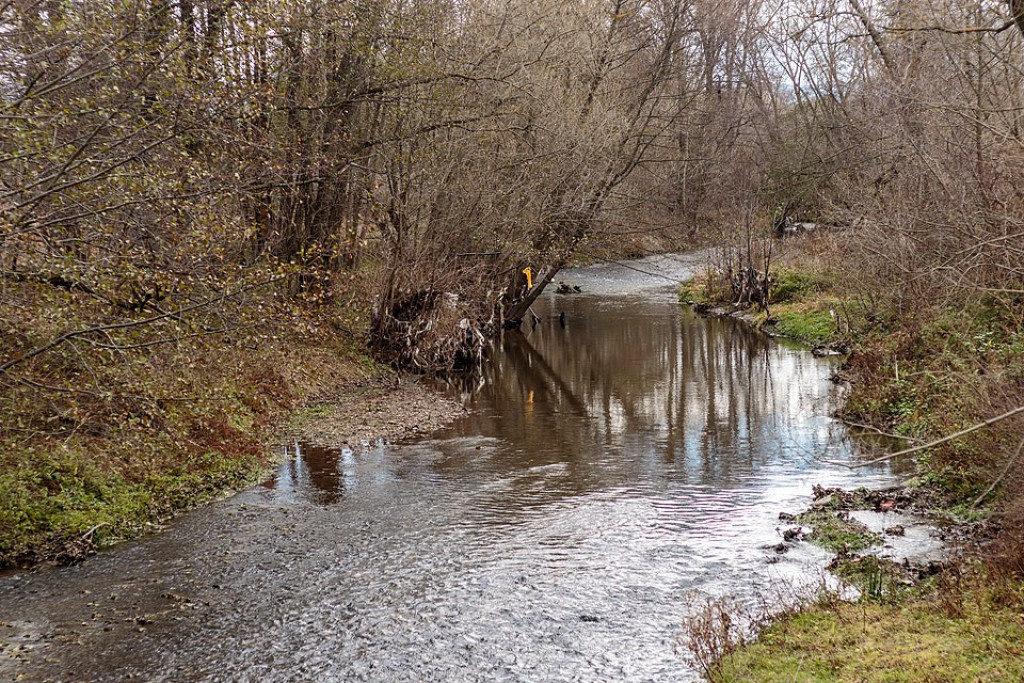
(120, 326)
(951, 437)
(946, 29)
(156, 342)
(878, 431)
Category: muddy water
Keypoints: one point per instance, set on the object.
(620, 462)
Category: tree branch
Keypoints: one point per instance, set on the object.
(937, 442)
(6, 367)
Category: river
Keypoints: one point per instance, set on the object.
(622, 461)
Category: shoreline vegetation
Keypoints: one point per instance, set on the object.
(162, 441)
(212, 212)
(957, 620)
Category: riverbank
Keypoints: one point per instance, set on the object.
(916, 373)
(945, 616)
(608, 466)
(973, 633)
(175, 427)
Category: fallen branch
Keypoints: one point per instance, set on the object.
(878, 431)
(937, 442)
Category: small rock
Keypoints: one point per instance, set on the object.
(786, 517)
(896, 530)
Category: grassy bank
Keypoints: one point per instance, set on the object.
(105, 437)
(804, 305)
(974, 634)
(919, 367)
(919, 370)
(108, 467)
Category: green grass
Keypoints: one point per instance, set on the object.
(802, 306)
(916, 642)
(306, 414)
(790, 284)
(58, 504)
(702, 289)
(810, 323)
(923, 371)
(876, 578)
(131, 464)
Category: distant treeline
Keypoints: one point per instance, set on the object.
(158, 155)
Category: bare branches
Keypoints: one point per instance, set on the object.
(1017, 10)
(876, 36)
(964, 30)
(176, 314)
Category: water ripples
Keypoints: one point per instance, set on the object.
(611, 473)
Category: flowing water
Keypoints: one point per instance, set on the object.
(623, 460)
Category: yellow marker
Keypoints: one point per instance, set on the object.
(529, 278)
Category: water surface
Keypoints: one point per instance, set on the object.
(622, 460)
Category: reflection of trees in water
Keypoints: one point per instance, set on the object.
(313, 471)
(709, 398)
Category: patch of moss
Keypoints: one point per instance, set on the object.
(790, 284)
(835, 531)
(809, 323)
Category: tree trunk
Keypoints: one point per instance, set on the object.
(1017, 11)
(514, 315)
